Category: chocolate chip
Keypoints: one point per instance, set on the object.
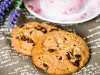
(31, 32)
(25, 49)
(74, 45)
(27, 28)
(51, 50)
(53, 30)
(17, 37)
(39, 57)
(45, 66)
(33, 44)
(29, 40)
(63, 70)
(44, 30)
(78, 56)
(68, 56)
(41, 29)
(65, 38)
(76, 63)
(23, 38)
(38, 28)
(67, 68)
(60, 58)
(20, 26)
(57, 56)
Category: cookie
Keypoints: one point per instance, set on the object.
(60, 53)
(24, 37)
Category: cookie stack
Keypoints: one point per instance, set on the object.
(53, 50)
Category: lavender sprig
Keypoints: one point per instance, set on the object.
(4, 5)
(14, 14)
(7, 3)
(1, 13)
(13, 17)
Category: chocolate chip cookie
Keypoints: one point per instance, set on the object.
(25, 36)
(60, 53)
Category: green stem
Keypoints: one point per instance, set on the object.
(19, 4)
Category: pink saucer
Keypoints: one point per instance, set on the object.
(42, 9)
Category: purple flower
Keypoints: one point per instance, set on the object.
(13, 17)
(4, 5)
(1, 13)
(7, 3)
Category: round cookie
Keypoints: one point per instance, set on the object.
(60, 53)
(25, 36)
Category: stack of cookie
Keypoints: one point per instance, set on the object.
(53, 50)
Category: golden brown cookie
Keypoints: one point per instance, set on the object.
(60, 53)
(25, 36)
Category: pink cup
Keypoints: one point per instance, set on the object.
(64, 8)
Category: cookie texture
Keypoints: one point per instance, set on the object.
(60, 53)
(24, 37)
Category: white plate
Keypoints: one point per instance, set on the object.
(92, 10)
